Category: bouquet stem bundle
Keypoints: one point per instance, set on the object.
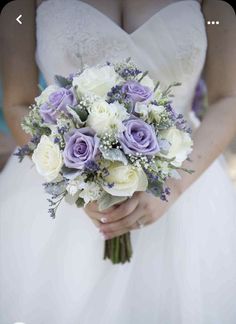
(118, 249)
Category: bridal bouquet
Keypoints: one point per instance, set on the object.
(101, 135)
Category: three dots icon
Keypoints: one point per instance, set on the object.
(213, 22)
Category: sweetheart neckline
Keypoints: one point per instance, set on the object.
(158, 13)
(146, 22)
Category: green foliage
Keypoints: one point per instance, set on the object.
(62, 81)
(114, 155)
(106, 200)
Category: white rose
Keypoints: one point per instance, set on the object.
(96, 80)
(43, 97)
(180, 145)
(124, 180)
(47, 158)
(104, 117)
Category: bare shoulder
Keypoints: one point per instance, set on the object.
(222, 11)
(38, 2)
(18, 53)
(220, 68)
(218, 8)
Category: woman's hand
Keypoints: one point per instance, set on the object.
(142, 208)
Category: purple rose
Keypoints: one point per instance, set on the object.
(57, 103)
(136, 91)
(81, 148)
(138, 137)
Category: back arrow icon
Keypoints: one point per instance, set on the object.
(18, 19)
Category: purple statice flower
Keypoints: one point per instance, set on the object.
(177, 119)
(172, 113)
(115, 94)
(136, 91)
(91, 166)
(165, 192)
(110, 184)
(138, 137)
(35, 139)
(22, 152)
(56, 140)
(62, 130)
(57, 103)
(81, 147)
(198, 105)
(182, 124)
(129, 72)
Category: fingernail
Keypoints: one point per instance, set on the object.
(103, 219)
(103, 236)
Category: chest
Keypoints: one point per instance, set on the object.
(128, 15)
(69, 36)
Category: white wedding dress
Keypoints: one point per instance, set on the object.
(183, 269)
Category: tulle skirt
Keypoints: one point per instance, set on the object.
(52, 271)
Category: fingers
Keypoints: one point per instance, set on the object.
(121, 231)
(93, 207)
(92, 211)
(112, 214)
(123, 209)
(118, 233)
(125, 224)
(96, 222)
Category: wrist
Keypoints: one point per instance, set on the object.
(176, 189)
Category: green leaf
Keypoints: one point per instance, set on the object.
(106, 200)
(143, 75)
(114, 155)
(155, 188)
(72, 199)
(79, 116)
(83, 114)
(62, 81)
(80, 202)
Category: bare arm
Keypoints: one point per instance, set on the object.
(20, 74)
(218, 127)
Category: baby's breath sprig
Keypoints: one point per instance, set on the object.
(140, 160)
(109, 141)
(164, 121)
(86, 101)
(33, 124)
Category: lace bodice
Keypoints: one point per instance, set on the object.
(171, 45)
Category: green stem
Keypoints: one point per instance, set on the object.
(117, 249)
(122, 249)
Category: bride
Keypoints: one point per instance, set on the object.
(183, 270)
